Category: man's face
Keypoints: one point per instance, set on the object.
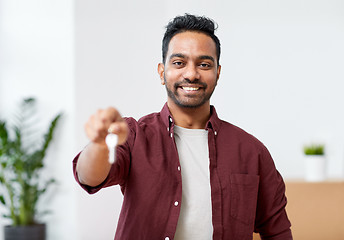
(190, 72)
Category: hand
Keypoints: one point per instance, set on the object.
(105, 120)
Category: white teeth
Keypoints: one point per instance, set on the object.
(190, 88)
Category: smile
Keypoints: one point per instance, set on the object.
(190, 88)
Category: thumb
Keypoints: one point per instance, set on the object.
(120, 128)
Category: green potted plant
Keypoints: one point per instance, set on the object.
(315, 162)
(22, 153)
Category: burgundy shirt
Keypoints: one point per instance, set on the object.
(247, 192)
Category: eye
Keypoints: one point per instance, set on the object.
(178, 63)
(205, 65)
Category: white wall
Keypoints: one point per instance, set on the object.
(117, 50)
(282, 79)
(37, 59)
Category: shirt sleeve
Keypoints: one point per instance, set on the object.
(120, 168)
(272, 222)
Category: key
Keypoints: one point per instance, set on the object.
(111, 142)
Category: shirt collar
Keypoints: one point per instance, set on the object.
(213, 123)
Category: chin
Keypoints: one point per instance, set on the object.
(191, 105)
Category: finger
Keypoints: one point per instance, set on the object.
(110, 115)
(120, 128)
(96, 128)
(95, 133)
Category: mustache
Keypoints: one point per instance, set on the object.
(188, 81)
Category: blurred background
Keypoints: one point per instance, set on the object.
(282, 80)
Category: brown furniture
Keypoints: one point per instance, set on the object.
(316, 210)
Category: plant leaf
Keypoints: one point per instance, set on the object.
(2, 200)
(21, 158)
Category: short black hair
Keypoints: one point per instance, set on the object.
(190, 22)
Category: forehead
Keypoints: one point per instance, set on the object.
(192, 44)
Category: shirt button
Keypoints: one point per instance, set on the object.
(178, 168)
(171, 135)
(170, 119)
(167, 238)
(176, 203)
(215, 133)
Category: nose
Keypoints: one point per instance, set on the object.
(191, 73)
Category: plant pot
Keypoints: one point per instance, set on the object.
(31, 232)
(315, 166)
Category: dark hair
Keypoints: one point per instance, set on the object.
(190, 22)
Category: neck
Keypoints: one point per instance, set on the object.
(193, 118)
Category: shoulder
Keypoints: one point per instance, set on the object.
(148, 118)
(238, 132)
(248, 148)
(232, 134)
(238, 136)
(151, 120)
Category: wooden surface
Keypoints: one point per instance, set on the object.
(316, 210)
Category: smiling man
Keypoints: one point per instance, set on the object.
(185, 173)
(192, 69)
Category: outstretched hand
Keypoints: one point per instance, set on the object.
(104, 121)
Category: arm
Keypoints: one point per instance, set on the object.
(93, 166)
(272, 221)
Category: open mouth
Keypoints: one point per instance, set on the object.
(190, 88)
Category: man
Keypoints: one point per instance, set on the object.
(184, 173)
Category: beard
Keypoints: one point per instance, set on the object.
(188, 100)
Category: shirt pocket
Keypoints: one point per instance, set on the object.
(244, 194)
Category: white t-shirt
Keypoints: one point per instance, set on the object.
(195, 220)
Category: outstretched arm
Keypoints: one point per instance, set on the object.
(93, 165)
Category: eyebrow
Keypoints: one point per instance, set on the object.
(202, 57)
(178, 55)
(206, 57)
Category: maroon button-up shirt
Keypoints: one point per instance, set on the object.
(247, 192)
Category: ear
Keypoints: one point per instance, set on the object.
(218, 73)
(161, 69)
